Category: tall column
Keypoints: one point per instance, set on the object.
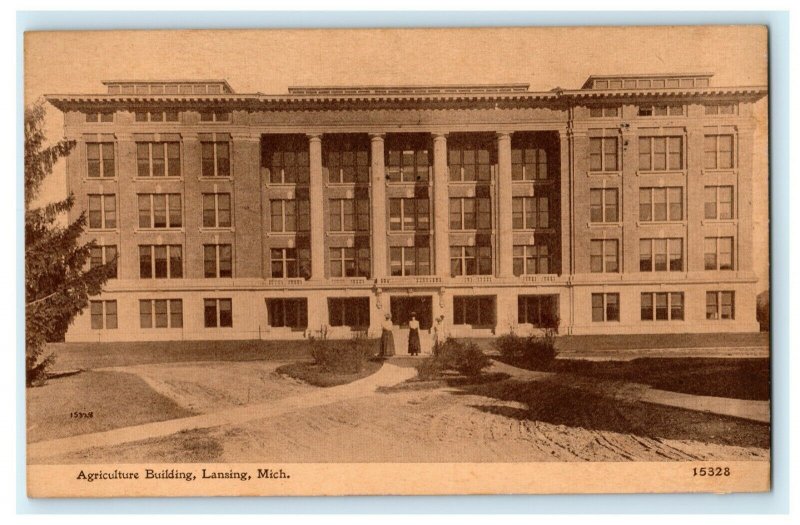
(246, 191)
(316, 203)
(505, 237)
(441, 202)
(378, 207)
(564, 200)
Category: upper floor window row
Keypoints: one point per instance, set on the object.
(470, 160)
(100, 116)
(721, 109)
(216, 155)
(604, 111)
(156, 116)
(102, 211)
(215, 116)
(662, 153)
(528, 163)
(160, 210)
(408, 165)
(158, 159)
(603, 154)
(100, 159)
(661, 110)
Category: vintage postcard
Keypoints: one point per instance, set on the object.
(440, 261)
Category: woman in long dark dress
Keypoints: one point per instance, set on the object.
(413, 335)
(387, 338)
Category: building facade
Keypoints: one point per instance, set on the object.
(624, 206)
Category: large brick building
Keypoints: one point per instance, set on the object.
(624, 206)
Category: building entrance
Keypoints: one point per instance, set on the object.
(401, 308)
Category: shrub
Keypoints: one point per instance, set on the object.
(534, 352)
(342, 357)
(466, 358)
(429, 368)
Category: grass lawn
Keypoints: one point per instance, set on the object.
(728, 377)
(85, 356)
(115, 399)
(313, 374)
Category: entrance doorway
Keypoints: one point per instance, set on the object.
(401, 308)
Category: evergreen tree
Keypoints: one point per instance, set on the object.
(57, 281)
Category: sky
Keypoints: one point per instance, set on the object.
(268, 61)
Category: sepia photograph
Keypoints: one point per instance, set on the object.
(397, 261)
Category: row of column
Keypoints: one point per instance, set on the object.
(441, 204)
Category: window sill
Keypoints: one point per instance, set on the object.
(604, 224)
(405, 183)
(591, 173)
(660, 223)
(532, 181)
(410, 232)
(159, 230)
(283, 185)
(215, 178)
(87, 179)
(718, 171)
(470, 182)
(158, 179)
(712, 222)
(102, 230)
(229, 229)
(681, 172)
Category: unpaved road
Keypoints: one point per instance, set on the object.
(506, 421)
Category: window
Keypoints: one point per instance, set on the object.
(718, 152)
(660, 153)
(603, 111)
(347, 215)
(407, 160)
(347, 161)
(160, 261)
(290, 215)
(216, 155)
(605, 307)
(160, 210)
(538, 310)
(477, 311)
(719, 305)
(409, 214)
(218, 313)
(290, 262)
(158, 159)
(661, 204)
(532, 259)
(348, 311)
(215, 116)
(719, 202)
(604, 205)
(470, 260)
(287, 160)
(672, 110)
(528, 163)
(470, 160)
(100, 116)
(100, 255)
(156, 116)
(528, 213)
(718, 253)
(217, 260)
(470, 213)
(216, 210)
(661, 255)
(604, 256)
(410, 260)
(103, 314)
(603, 154)
(287, 313)
(100, 159)
(161, 313)
(720, 109)
(662, 306)
(350, 262)
(102, 212)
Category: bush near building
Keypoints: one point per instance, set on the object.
(463, 357)
(342, 357)
(532, 352)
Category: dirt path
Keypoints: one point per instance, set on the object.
(511, 421)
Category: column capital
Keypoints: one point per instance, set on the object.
(503, 135)
(440, 135)
(377, 136)
(314, 137)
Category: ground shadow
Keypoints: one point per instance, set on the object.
(556, 404)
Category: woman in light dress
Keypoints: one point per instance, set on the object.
(387, 338)
(413, 335)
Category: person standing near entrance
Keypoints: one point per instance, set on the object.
(387, 338)
(438, 334)
(413, 335)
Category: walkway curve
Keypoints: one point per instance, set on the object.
(388, 375)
